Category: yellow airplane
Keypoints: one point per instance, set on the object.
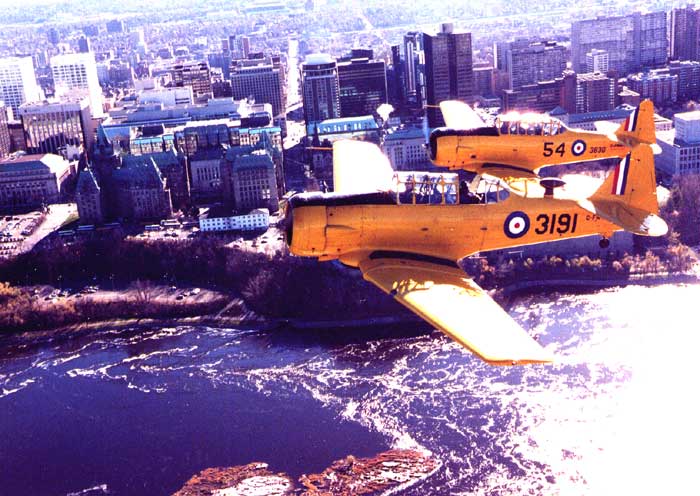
(406, 236)
(518, 145)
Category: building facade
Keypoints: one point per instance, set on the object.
(598, 61)
(633, 42)
(140, 192)
(18, 82)
(252, 181)
(261, 79)
(362, 84)
(257, 219)
(539, 97)
(195, 75)
(77, 72)
(5, 137)
(448, 70)
(684, 33)
(406, 150)
(659, 86)
(532, 62)
(321, 88)
(595, 92)
(88, 197)
(688, 72)
(63, 127)
(29, 181)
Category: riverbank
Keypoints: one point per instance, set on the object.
(224, 311)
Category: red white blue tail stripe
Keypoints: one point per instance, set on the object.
(631, 122)
(621, 173)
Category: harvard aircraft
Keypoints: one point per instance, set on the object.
(518, 145)
(406, 234)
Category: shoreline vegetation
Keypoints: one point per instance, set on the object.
(250, 289)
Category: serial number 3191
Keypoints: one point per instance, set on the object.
(551, 223)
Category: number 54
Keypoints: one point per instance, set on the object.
(549, 150)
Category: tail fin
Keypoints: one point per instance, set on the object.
(639, 126)
(628, 195)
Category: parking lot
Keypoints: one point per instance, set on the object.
(14, 230)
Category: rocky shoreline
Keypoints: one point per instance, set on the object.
(382, 475)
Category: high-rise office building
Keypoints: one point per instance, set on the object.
(539, 97)
(115, 26)
(83, 44)
(63, 128)
(238, 46)
(684, 33)
(530, 62)
(448, 70)
(52, 36)
(597, 61)
(18, 82)
(362, 86)
(5, 141)
(413, 68)
(595, 92)
(633, 42)
(688, 72)
(659, 86)
(193, 74)
(77, 72)
(260, 79)
(321, 89)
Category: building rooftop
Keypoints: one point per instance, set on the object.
(343, 125)
(255, 160)
(406, 133)
(20, 163)
(688, 116)
(318, 59)
(141, 173)
(87, 182)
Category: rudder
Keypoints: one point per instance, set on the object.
(639, 126)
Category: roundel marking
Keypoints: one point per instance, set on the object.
(517, 224)
(578, 147)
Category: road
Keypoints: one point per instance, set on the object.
(57, 215)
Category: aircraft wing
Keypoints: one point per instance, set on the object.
(445, 297)
(459, 115)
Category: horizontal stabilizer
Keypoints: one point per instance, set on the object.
(459, 115)
(446, 298)
(628, 198)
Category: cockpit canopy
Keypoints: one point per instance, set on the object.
(515, 123)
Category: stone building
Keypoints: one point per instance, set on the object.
(141, 191)
(249, 179)
(88, 196)
(28, 181)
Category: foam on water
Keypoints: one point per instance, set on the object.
(619, 401)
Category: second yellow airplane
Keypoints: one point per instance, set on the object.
(518, 145)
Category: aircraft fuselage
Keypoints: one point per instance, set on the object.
(325, 228)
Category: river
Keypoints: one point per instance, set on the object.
(139, 411)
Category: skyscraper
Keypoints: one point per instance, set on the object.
(597, 61)
(321, 89)
(18, 82)
(684, 33)
(261, 79)
(595, 92)
(5, 143)
(362, 86)
(633, 42)
(533, 61)
(77, 72)
(83, 44)
(448, 70)
(63, 128)
(195, 75)
(413, 68)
